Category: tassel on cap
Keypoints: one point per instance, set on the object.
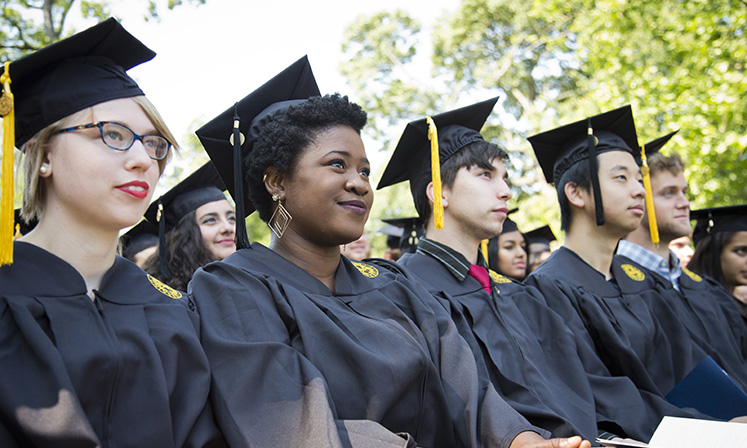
(484, 249)
(438, 208)
(594, 173)
(7, 217)
(237, 140)
(163, 262)
(650, 211)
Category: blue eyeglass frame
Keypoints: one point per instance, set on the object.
(100, 125)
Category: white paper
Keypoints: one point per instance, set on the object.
(676, 432)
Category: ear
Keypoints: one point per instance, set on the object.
(45, 167)
(576, 195)
(431, 197)
(273, 181)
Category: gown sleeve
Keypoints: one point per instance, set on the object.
(484, 418)
(265, 392)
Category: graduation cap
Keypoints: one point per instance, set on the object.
(414, 157)
(650, 148)
(63, 78)
(732, 218)
(199, 188)
(139, 238)
(223, 136)
(540, 235)
(407, 232)
(559, 149)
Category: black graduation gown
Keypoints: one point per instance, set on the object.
(294, 364)
(559, 400)
(707, 311)
(123, 370)
(618, 327)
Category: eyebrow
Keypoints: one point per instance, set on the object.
(347, 154)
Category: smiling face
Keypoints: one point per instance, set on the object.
(734, 260)
(328, 193)
(512, 255)
(623, 195)
(671, 204)
(476, 204)
(90, 184)
(217, 222)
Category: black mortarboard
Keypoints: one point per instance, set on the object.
(139, 238)
(732, 218)
(411, 159)
(509, 225)
(542, 235)
(63, 78)
(246, 118)
(75, 73)
(199, 188)
(558, 149)
(410, 231)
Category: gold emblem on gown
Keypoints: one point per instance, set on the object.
(163, 288)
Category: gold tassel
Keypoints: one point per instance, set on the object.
(653, 228)
(438, 208)
(484, 249)
(7, 217)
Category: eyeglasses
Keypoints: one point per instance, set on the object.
(121, 138)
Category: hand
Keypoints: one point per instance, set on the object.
(742, 419)
(529, 439)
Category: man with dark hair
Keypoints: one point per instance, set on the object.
(701, 303)
(599, 183)
(532, 357)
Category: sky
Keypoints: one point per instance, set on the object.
(210, 56)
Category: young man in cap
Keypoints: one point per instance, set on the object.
(531, 355)
(599, 184)
(702, 304)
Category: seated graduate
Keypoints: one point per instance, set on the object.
(704, 306)
(94, 351)
(538, 245)
(721, 248)
(307, 347)
(507, 252)
(589, 161)
(139, 243)
(197, 225)
(682, 247)
(531, 355)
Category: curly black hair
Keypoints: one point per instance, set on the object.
(283, 139)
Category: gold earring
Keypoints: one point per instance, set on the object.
(280, 219)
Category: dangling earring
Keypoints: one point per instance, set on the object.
(280, 219)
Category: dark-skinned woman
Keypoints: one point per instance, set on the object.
(307, 347)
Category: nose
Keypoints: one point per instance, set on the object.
(227, 227)
(503, 190)
(640, 190)
(358, 184)
(137, 157)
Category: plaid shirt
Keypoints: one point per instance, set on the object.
(668, 269)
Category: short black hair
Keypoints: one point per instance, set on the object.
(578, 173)
(479, 153)
(283, 139)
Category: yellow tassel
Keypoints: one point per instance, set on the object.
(484, 249)
(438, 208)
(653, 228)
(7, 216)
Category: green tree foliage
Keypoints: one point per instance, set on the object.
(28, 25)
(680, 64)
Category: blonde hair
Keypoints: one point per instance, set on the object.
(36, 149)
